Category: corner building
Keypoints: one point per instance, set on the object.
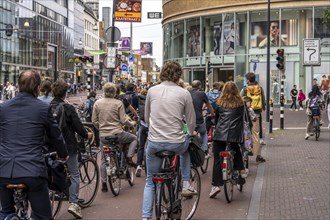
(231, 34)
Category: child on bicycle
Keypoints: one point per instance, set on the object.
(314, 98)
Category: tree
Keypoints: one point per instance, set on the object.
(326, 17)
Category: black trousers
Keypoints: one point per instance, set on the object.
(260, 125)
(294, 103)
(143, 135)
(219, 146)
(37, 194)
(300, 104)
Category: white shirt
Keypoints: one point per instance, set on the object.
(166, 105)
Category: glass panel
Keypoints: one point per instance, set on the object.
(321, 30)
(178, 29)
(241, 32)
(289, 26)
(193, 37)
(259, 29)
(212, 35)
(167, 41)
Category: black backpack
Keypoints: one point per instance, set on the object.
(59, 115)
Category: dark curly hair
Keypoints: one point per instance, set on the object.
(60, 88)
(171, 71)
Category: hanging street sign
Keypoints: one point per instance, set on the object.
(128, 10)
(155, 15)
(311, 52)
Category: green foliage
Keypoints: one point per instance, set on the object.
(326, 17)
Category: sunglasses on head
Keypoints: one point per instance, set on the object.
(274, 27)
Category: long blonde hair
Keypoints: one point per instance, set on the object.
(230, 97)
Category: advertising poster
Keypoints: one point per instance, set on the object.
(128, 10)
(193, 42)
(288, 33)
(124, 44)
(217, 31)
(146, 48)
(230, 39)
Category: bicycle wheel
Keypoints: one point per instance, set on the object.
(228, 188)
(89, 181)
(55, 202)
(316, 129)
(205, 165)
(162, 201)
(189, 204)
(130, 175)
(114, 180)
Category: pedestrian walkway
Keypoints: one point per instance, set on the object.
(296, 177)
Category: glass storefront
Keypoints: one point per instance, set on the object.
(235, 43)
(42, 41)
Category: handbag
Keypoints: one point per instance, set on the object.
(197, 155)
(248, 143)
(57, 175)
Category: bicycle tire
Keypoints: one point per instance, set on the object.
(228, 188)
(130, 175)
(89, 181)
(189, 205)
(205, 166)
(114, 180)
(317, 129)
(55, 203)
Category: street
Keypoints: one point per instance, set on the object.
(292, 184)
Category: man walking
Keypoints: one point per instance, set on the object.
(24, 122)
(294, 94)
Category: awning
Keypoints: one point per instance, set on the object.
(96, 52)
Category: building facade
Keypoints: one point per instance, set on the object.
(106, 17)
(94, 5)
(232, 35)
(43, 38)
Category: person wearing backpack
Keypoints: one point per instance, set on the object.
(91, 98)
(69, 123)
(131, 97)
(213, 96)
(256, 93)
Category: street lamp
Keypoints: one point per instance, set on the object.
(26, 24)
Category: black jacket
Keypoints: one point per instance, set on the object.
(229, 125)
(74, 125)
(24, 122)
(142, 102)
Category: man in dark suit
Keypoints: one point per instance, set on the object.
(24, 122)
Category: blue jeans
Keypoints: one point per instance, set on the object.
(73, 168)
(201, 128)
(154, 164)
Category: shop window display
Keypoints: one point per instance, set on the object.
(193, 38)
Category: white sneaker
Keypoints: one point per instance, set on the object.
(215, 190)
(75, 210)
(188, 192)
(138, 171)
(262, 142)
(301, 109)
(207, 156)
(290, 109)
(307, 136)
(296, 110)
(244, 173)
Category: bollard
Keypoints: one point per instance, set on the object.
(282, 103)
(271, 115)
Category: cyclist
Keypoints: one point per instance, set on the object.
(72, 125)
(46, 89)
(199, 99)
(89, 105)
(24, 122)
(314, 98)
(108, 117)
(229, 129)
(166, 105)
(127, 105)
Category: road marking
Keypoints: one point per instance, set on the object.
(298, 128)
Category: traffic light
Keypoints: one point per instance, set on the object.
(209, 67)
(83, 59)
(90, 59)
(9, 30)
(280, 59)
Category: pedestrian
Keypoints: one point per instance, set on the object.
(71, 126)
(228, 130)
(294, 94)
(301, 98)
(24, 123)
(166, 105)
(46, 90)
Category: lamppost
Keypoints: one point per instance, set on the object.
(9, 31)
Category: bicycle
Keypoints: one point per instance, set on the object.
(89, 184)
(169, 204)
(230, 176)
(316, 112)
(117, 167)
(21, 202)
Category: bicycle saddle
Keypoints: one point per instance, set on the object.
(16, 186)
(165, 153)
(111, 138)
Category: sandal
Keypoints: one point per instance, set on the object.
(260, 159)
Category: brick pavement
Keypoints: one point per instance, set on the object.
(296, 177)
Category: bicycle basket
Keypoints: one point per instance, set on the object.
(315, 110)
(197, 155)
